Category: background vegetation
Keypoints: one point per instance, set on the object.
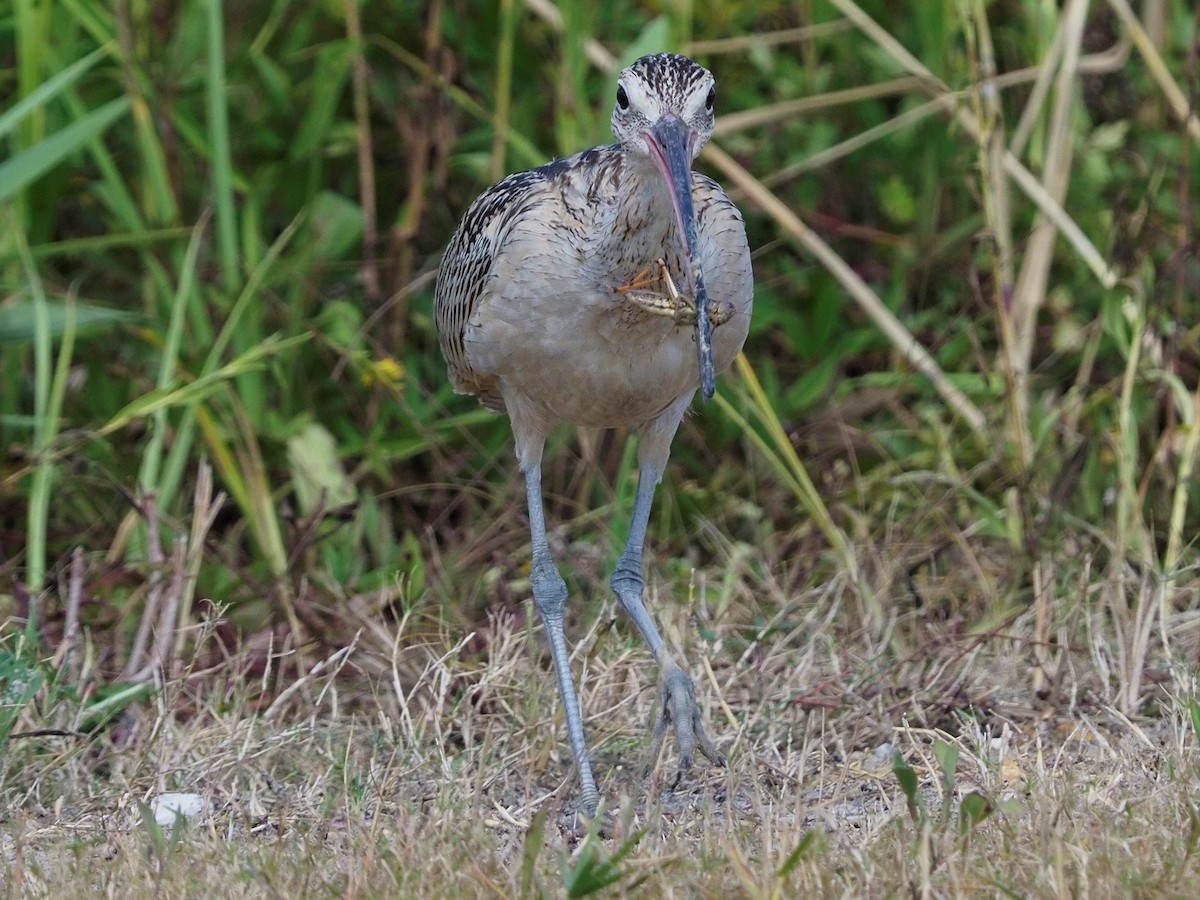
(950, 485)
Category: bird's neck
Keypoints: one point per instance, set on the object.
(641, 220)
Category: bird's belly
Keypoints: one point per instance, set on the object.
(595, 360)
(605, 389)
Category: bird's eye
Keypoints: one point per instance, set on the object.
(711, 99)
(622, 97)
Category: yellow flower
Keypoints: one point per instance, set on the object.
(387, 371)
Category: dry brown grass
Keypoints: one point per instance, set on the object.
(421, 761)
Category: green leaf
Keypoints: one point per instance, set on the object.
(25, 168)
(320, 480)
(973, 810)
(335, 225)
(656, 35)
(154, 831)
(202, 387)
(593, 871)
(1110, 137)
(898, 201)
(17, 322)
(49, 89)
(330, 73)
(947, 756)
(909, 785)
(1193, 838)
(109, 701)
(796, 855)
(341, 322)
(531, 848)
(20, 680)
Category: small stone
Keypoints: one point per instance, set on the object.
(169, 808)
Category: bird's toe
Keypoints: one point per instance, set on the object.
(677, 708)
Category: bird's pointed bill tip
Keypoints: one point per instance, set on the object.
(708, 382)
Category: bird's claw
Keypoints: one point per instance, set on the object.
(653, 276)
(584, 821)
(654, 291)
(676, 705)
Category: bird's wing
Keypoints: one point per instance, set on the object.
(725, 251)
(466, 271)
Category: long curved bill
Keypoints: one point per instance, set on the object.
(671, 145)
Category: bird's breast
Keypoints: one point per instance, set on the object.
(555, 326)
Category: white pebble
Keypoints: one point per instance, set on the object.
(171, 807)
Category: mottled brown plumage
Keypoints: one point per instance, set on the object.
(545, 310)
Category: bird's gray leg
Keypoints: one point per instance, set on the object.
(676, 702)
(550, 595)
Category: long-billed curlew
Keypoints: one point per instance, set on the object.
(577, 293)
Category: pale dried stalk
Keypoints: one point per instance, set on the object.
(1105, 61)
(1183, 482)
(1179, 504)
(1053, 211)
(1043, 605)
(729, 123)
(1158, 69)
(330, 666)
(1025, 180)
(902, 339)
(64, 656)
(167, 610)
(1132, 624)
(1034, 276)
(992, 142)
(996, 211)
(1100, 63)
(170, 612)
(1037, 94)
(359, 75)
(1133, 642)
(205, 508)
(149, 510)
(742, 43)
(853, 144)
(592, 48)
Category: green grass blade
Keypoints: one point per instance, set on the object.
(49, 391)
(97, 243)
(48, 90)
(25, 168)
(222, 161)
(39, 495)
(19, 320)
(204, 386)
(250, 293)
(169, 361)
(772, 440)
(509, 10)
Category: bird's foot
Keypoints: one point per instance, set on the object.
(582, 822)
(676, 706)
(652, 278)
(654, 291)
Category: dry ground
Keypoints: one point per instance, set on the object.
(420, 761)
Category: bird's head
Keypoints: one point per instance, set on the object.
(664, 91)
(665, 111)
